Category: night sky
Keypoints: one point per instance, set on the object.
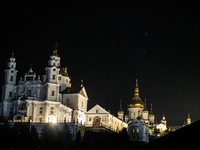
(109, 45)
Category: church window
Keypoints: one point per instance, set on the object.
(59, 88)
(97, 111)
(52, 93)
(53, 77)
(40, 120)
(54, 64)
(40, 112)
(41, 108)
(12, 71)
(52, 108)
(59, 78)
(11, 78)
(10, 94)
(90, 119)
(51, 112)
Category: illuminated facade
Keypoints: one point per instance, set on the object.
(51, 99)
(47, 99)
(97, 116)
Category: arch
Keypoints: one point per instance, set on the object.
(52, 119)
(96, 121)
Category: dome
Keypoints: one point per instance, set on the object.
(136, 102)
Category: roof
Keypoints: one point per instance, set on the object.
(71, 90)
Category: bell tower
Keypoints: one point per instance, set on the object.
(10, 80)
(9, 87)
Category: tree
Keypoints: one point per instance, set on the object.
(48, 138)
(64, 138)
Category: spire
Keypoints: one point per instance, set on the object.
(145, 107)
(188, 115)
(120, 108)
(136, 88)
(188, 119)
(30, 70)
(55, 49)
(163, 116)
(13, 55)
(81, 82)
(151, 113)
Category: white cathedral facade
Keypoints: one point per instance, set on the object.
(51, 99)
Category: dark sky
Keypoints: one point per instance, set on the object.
(110, 44)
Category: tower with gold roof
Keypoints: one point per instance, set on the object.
(121, 112)
(145, 114)
(136, 105)
(188, 119)
(151, 116)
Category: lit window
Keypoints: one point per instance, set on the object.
(133, 130)
(137, 130)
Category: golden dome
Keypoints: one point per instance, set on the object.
(136, 102)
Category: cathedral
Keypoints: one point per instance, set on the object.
(50, 98)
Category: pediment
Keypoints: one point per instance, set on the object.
(98, 109)
(83, 92)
